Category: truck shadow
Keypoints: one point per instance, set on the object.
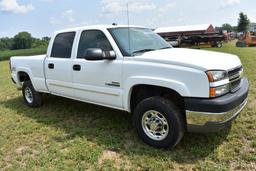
(111, 128)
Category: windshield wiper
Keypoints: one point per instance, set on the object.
(142, 51)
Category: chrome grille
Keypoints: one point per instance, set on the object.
(235, 78)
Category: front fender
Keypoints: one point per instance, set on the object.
(177, 86)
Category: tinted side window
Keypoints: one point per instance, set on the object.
(62, 46)
(93, 39)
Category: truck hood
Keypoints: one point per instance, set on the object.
(198, 59)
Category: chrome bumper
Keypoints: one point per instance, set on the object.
(202, 118)
(212, 115)
(205, 122)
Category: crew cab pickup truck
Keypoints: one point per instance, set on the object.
(168, 90)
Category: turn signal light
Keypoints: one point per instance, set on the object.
(210, 76)
(212, 92)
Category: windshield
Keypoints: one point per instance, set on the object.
(141, 40)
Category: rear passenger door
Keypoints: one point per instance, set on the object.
(58, 65)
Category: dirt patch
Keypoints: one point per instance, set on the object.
(252, 165)
(117, 159)
(7, 162)
(252, 104)
(240, 166)
(235, 166)
(184, 167)
(69, 162)
(21, 150)
(247, 147)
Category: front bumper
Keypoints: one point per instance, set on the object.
(211, 115)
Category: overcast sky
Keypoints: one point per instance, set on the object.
(42, 17)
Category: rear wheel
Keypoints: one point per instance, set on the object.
(31, 97)
(159, 122)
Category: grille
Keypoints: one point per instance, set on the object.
(235, 85)
(235, 78)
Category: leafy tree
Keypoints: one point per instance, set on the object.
(6, 43)
(234, 28)
(47, 39)
(227, 27)
(243, 22)
(39, 43)
(23, 40)
(2, 46)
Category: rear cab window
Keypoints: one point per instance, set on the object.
(62, 45)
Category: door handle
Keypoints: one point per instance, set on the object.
(51, 66)
(77, 67)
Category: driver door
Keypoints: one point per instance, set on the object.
(97, 81)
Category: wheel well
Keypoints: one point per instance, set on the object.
(23, 76)
(140, 92)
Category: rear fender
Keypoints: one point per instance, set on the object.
(27, 71)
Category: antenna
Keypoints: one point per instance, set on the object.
(128, 20)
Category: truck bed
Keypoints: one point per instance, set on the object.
(34, 66)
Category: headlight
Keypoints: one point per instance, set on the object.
(214, 76)
(219, 91)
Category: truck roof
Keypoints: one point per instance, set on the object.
(95, 27)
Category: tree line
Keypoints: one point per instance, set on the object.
(242, 25)
(23, 40)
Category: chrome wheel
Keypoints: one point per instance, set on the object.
(28, 95)
(155, 125)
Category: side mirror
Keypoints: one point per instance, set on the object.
(94, 54)
(110, 55)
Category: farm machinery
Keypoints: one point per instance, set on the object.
(247, 40)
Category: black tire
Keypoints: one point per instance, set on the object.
(36, 100)
(175, 120)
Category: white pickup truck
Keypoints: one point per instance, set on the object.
(168, 90)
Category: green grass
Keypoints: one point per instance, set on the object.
(5, 55)
(68, 135)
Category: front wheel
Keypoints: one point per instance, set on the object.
(159, 122)
(31, 97)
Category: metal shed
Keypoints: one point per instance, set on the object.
(185, 30)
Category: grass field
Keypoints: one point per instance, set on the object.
(68, 135)
(4, 55)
